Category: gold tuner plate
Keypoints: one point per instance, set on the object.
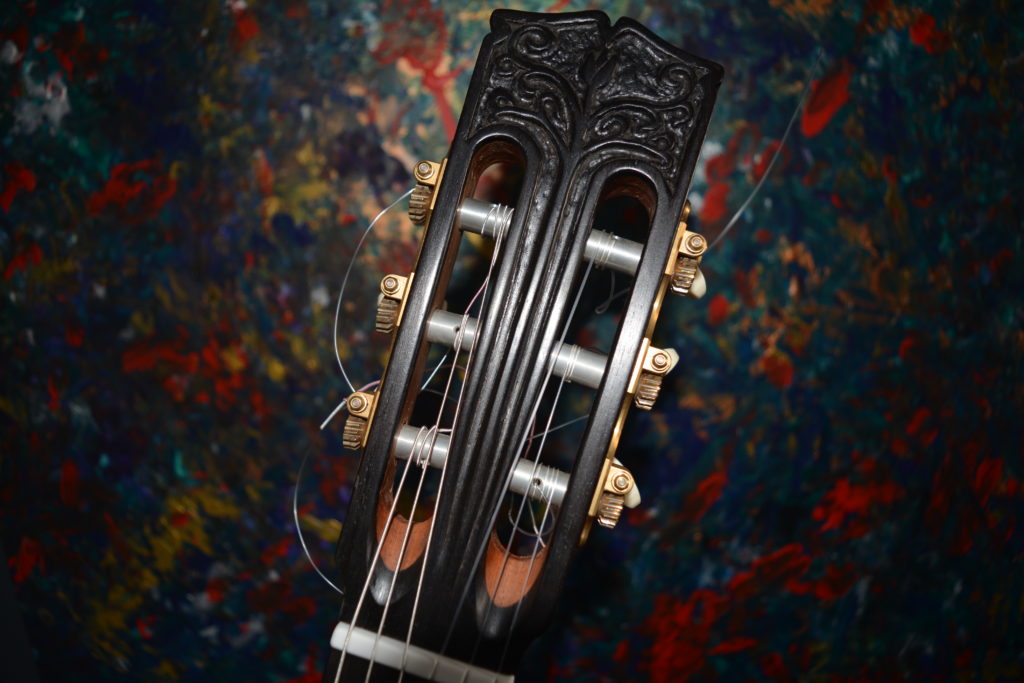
(361, 406)
(428, 175)
(391, 303)
(653, 364)
(618, 483)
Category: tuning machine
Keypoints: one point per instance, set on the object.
(391, 301)
(428, 177)
(619, 490)
(684, 266)
(361, 405)
(652, 366)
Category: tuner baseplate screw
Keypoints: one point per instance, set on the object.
(356, 403)
(695, 242)
(424, 170)
(660, 361)
(621, 483)
(390, 284)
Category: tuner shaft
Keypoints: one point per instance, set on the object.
(572, 362)
(604, 249)
(529, 479)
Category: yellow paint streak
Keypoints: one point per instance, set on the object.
(232, 359)
(152, 557)
(803, 9)
(327, 529)
(276, 370)
(142, 321)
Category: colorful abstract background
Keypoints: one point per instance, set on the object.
(831, 480)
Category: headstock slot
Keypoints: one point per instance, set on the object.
(495, 171)
(623, 207)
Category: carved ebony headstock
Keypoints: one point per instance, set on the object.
(464, 518)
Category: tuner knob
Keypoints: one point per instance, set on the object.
(647, 390)
(387, 314)
(354, 432)
(393, 289)
(609, 509)
(360, 406)
(618, 491)
(655, 364)
(419, 203)
(688, 280)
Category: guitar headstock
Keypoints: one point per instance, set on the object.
(572, 157)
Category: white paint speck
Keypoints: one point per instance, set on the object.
(43, 101)
(9, 53)
(320, 296)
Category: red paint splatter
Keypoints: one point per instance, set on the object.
(30, 555)
(69, 483)
(137, 188)
(297, 10)
(746, 285)
(924, 33)
(761, 164)
(264, 174)
(733, 645)
(682, 631)
(846, 500)
(73, 335)
(279, 549)
(718, 310)
(142, 626)
(828, 96)
(72, 51)
(215, 590)
(54, 392)
(778, 369)
(987, 478)
(704, 496)
(245, 29)
(918, 420)
(145, 355)
(922, 202)
(714, 207)
(22, 259)
(906, 346)
(19, 179)
(783, 565)
(835, 584)
(116, 538)
(774, 668)
(421, 39)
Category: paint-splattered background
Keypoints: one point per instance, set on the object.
(832, 483)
